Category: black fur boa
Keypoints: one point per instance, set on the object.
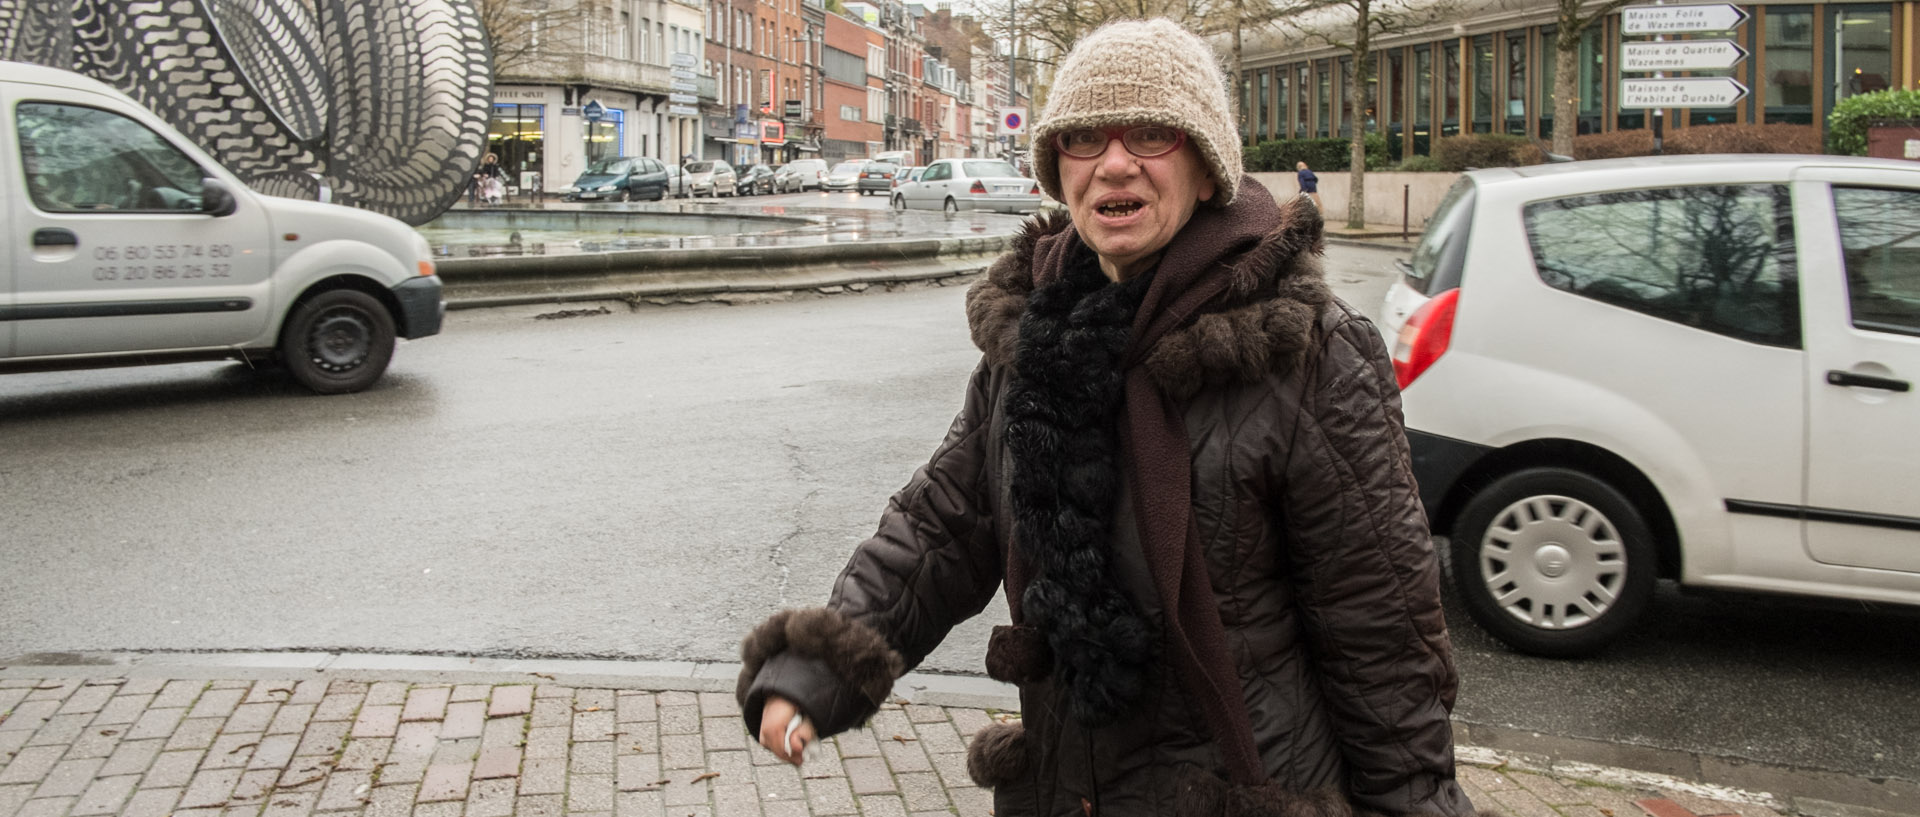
(1062, 434)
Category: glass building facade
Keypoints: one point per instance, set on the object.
(1498, 77)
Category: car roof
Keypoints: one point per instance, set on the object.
(43, 75)
(1653, 166)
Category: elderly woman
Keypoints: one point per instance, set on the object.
(1184, 460)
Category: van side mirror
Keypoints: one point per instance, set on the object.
(215, 199)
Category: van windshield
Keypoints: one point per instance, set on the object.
(610, 167)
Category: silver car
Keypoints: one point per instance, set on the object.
(844, 176)
(713, 178)
(971, 184)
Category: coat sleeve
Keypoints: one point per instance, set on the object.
(933, 563)
(1364, 568)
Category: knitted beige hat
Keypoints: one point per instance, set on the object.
(1142, 72)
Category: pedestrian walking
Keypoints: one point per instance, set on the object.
(1184, 460)
(1309, 183)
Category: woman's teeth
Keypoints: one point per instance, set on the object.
(1119, 208)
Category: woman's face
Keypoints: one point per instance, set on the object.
(1128, 208)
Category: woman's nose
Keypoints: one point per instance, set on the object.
(1115, 160)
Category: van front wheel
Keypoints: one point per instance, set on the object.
(338, 341)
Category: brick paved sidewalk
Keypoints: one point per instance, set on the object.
(332, 748)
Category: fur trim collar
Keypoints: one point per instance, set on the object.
(1262, 324)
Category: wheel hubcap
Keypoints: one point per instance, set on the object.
(1553, 562)
(341, 340)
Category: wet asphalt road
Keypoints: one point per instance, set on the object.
(649, 484)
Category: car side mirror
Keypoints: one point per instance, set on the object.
(215, 199)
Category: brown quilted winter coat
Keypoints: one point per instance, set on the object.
(1314, 538)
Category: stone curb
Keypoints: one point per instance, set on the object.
(1676, 775)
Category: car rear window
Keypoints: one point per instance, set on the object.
(1442, 251)
(988, 169)
(699, 167)
(1714, 257)
(848, 167)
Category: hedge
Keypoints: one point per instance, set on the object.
(1471, 150)
(1771, 138)
(1847, 125)
(1330, 155)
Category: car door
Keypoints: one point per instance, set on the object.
(111, 251)
(9, 192)
(1863, 357)
(932, 189)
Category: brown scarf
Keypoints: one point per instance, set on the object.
(1193, 274)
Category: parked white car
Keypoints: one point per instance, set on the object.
(130, 245)
(971, 184)
(710, 178)
(1693, 367)
(844, 176)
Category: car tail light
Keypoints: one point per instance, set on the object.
(1036, 189)
(978, 187)
(1424, 337)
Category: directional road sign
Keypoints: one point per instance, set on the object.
(682, 110)
(1672, 19)
(683, 99)
(1682, 55)
(1686, 92)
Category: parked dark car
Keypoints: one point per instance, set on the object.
(620, 178)
(877, 177)
(754, 180)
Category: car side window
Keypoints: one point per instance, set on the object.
(1719, 258)
(81, 159)
(935, 173)
(1881, 242)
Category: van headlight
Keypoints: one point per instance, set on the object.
(608, 188)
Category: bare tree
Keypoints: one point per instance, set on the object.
(1369, 19)
(1572, 28)
(522, 30)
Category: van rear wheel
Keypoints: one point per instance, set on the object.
(1553, 561)
(338, 341)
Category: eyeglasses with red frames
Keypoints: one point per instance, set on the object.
(1144, 141)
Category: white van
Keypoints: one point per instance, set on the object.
(128, 245)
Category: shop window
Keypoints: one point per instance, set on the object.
(517, 134)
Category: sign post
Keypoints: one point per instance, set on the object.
(1660, 56)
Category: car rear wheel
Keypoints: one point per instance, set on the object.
(951, 206)
(1553, 562)
(337, 341)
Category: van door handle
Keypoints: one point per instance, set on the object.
(55, 237)
(1867, 381)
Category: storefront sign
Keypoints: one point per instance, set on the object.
(1672, 19)
(593, 111)
(773, 133)
(794, 110)
(1686, 92)
(1683, 55)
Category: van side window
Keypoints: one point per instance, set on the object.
(80, 159)
(1881, 241)
(1719, 258)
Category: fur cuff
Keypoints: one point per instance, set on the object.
(858, 655)
(1018, 654)
(998, 755)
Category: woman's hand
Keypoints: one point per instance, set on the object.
(773, 730)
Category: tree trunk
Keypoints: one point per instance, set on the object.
(1357, 113)
(1566, 81)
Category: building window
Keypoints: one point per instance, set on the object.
(1483, 87)
(1303, 108)
(1450, 71)
(1348, 111)
(1517, 84)
(1266, 100)
(1423, 100)
(606, 137)
(848, 113)
(1549, 56)
(1282, 79)
(1789, 56)
(1395, 87)
(1323, 100)
(876, 60)
(1862, 40)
